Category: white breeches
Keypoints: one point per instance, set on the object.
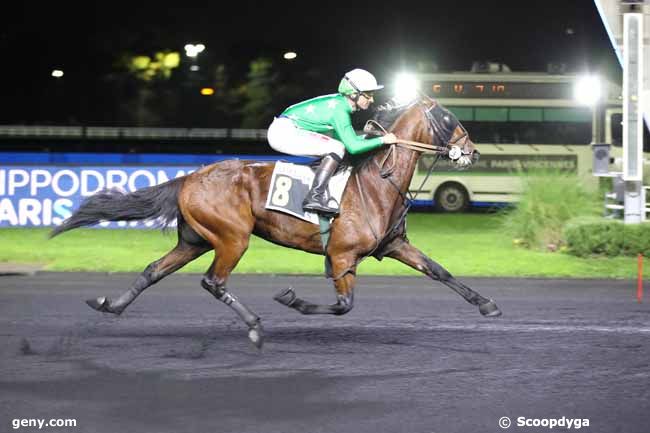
(285, 137)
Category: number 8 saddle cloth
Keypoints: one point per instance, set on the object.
(290, 184)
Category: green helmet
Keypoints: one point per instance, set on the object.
(358, 80)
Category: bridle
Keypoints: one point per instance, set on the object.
(443, 130)
(443, 124)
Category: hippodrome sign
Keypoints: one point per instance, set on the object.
(503, 164)
(40, 197)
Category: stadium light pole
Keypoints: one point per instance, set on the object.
(192, 80)
(624, 23)
(58, 99)
(588, 91)
(192, 51)
(633, 34)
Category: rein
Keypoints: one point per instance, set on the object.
(412, 145)
(386, 173)
(407, 198)
(421, 147)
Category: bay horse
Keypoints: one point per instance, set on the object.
(219, 206)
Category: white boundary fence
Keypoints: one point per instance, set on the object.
(128, 132)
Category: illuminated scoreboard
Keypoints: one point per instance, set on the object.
(497, 89)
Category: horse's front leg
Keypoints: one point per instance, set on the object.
(344, 293)
(408, 254)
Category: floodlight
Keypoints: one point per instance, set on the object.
(405, 88)
(192, 50)
(57, 73)
(290, 55)
(587, 90)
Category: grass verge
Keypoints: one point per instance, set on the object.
(549, 199)
(465, 244)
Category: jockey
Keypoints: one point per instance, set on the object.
(322, 127)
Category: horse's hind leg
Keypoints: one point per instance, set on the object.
(344, 293)
(184, 252)
(228, 251)
(408, 254)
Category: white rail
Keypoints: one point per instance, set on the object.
(128, 132)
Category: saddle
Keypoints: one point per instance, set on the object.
(290, 184)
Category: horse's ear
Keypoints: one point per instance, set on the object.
(386, 106)
(370, 128)
(427, 100)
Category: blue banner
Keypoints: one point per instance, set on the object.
(44, 196)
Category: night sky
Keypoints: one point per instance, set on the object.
(382, 36)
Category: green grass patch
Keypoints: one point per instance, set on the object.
(466, 244)
(599, 236)
(549, 199)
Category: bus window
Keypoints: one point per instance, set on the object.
(526, 125)
(529, 132)
(520, 122)
(616, 125)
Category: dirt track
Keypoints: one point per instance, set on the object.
(411, 357)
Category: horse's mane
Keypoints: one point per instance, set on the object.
(385, 115)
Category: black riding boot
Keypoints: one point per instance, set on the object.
(315, 200)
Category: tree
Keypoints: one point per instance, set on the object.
(257, 92)
(144, 92)
(226, 99)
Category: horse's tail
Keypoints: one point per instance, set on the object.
(114, 205)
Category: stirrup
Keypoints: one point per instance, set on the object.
(319, 208)
(315, 202)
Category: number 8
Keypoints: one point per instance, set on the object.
(281, 194)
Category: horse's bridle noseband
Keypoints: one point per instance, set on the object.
(443, 124)
(444, 130)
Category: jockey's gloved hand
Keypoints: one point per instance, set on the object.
(389, 138)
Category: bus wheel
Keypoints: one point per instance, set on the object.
(451, 197)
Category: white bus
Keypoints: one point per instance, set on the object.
(519, 121)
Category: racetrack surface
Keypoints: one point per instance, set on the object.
(412, 356)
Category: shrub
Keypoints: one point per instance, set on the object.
(598, 236)
(548, 200)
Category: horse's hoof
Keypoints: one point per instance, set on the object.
(102, 304)
(286, 297)
(256, 335)
(489, 309)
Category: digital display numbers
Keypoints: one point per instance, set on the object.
(497, 90)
